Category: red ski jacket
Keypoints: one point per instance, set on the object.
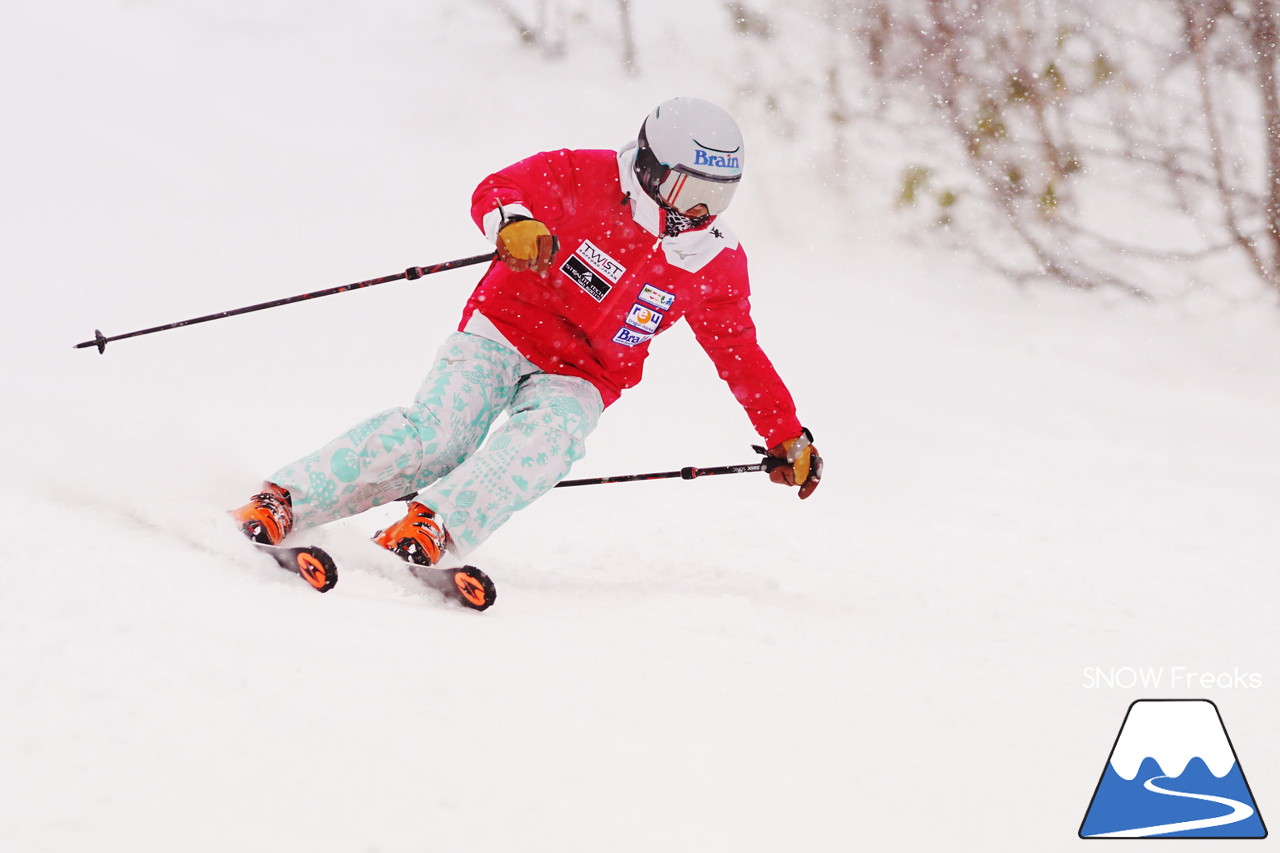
(615, 284)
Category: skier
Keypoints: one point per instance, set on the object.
(598, 251)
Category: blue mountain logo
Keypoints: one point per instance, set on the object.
(1173, 773)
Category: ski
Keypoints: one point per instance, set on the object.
(466, 585)
(308, 562)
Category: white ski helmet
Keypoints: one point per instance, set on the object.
(689, 152)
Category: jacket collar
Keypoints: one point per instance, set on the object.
(644, 210)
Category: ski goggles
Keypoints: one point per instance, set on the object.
(683, 188)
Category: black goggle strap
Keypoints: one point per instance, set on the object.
(650, 172)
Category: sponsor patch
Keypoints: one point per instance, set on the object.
(718, 159)
(630, 337)
(586, 278)
(657, 298)
(644, 318)
(600, 261)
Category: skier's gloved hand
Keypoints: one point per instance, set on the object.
(526, 244)
(800, 464)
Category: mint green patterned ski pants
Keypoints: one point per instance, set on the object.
(433, 447)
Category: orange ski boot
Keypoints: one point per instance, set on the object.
(419, 537)
(268, 516)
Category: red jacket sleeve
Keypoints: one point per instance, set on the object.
(543, 184)
(723, 327)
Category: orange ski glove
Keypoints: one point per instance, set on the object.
(800, 464)
(526, 244)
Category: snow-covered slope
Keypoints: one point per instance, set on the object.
(1019, 484)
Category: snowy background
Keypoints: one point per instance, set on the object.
(1020, 484)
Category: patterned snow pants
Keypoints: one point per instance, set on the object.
(433, 447)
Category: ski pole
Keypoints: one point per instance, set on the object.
(100, 341)
(689, 473)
